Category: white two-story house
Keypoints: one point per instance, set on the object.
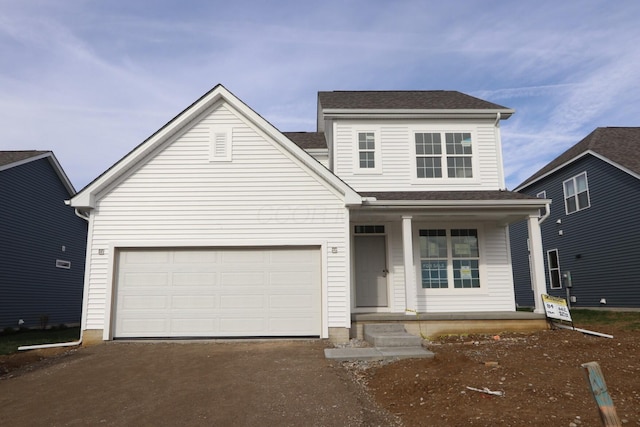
(220, 225)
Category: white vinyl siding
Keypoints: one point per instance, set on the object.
(397, 155)
(261, 197)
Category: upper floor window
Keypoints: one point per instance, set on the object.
(368, 152)
(456, 157)
(576, 193)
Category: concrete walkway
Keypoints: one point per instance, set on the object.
(389, 341)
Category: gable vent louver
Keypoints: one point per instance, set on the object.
(220, 148)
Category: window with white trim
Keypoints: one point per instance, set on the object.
(576, 193)
(456, 157)
(449, 258)
(553, 262)
(367, 150)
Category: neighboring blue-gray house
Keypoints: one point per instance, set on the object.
(592, 232)
(43, 242)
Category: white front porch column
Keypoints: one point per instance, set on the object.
(409, 270)
(536, 256)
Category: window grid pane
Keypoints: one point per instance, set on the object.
(367, 159)
(459, 167)
(453, 252)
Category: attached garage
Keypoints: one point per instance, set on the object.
(217, 292)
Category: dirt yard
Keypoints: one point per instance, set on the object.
(540, 375)
(277, 383)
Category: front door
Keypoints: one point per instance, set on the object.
(371, 271)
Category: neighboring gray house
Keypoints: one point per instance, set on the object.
(592, 232)
(43, 242)
(220, 225)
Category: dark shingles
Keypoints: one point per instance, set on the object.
(307, 140)
(446, 195)
(8, 157)
(409, 100)
(621, 145)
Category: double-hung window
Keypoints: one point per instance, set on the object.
(456, 157)
(576, 193)
(449, 258)
(367, 150)
(553, 262)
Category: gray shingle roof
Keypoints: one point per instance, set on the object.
(404, 100)
(447, 195)
(8, 157)
(307, 140)
(621, 145)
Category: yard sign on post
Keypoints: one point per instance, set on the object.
(556, 308)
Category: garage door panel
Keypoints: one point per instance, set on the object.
(195, 257)
(193, 327)
(208, 293)
(146, 279)
(151, 326)
(195, 279)
(235, 279)
(194, 302)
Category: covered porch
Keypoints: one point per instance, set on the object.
(439, 262)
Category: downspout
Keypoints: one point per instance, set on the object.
(496, 125)
(59, 344)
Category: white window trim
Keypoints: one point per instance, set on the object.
(564, 194)
(220, 151)
(377, 152)
(450, 290)
(475, 162)
(549, 269)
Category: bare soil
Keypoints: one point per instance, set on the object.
(290, 383)
(539, 374)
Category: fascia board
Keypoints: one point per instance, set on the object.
(413, 113)
(61, 174)
(86, 198)
(469, 204)
(54, 163)
(24, 161)
(554, 170)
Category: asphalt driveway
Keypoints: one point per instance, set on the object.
(271, 383)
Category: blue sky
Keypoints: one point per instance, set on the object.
(90, 80)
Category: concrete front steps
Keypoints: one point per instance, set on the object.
(389, 341)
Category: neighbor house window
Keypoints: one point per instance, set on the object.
(449, 258)
(367, 150)
(576, 193)
(553, 262)
(456, 156)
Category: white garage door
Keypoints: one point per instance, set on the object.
(218, 293)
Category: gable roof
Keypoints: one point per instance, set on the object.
(619, 146)
(7, 158)
(307, 140)
(12, 159)
(405, 100)
(86, 198)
